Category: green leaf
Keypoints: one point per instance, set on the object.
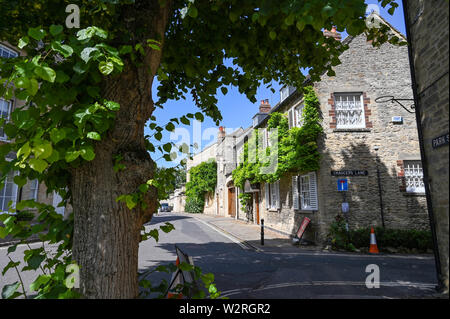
(24, 151)
(8, 291)
(36, 33)
(57, 135)
(131, 203)
(64, 49)
(199, 116)
(40, 281)
(224, 90)
(193, 12)
(87, 152)
(20, 180)
(170, 127)
(167, 147)
(43, 150)
(273, 35)
(72, 155)
(106, 67)
(23, 42)
(155, 234)
(94, 136)
(33, 87)
(3, 232)
(56, 29)
(38, 165)
(85, 55)
(113, 106)
(45, 73)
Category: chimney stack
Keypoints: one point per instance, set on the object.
(332, 34)
(221, 134)
(265, 106)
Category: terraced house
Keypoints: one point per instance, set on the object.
(370, 149)
(11, 193)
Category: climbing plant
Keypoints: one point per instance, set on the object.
(203, 179)
(297, 149)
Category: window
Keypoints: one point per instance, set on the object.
(273, 195)
(349, 108)
(295, 116)
(414, 177)
(34, 187)
(8, 192)
(6, 52)
(5, 111)
(284, 93)
(304, 192)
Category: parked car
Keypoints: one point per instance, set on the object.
(164, 207)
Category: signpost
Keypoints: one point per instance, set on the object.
(342, 185)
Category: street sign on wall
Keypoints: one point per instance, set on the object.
(342, 185)
(350, 173)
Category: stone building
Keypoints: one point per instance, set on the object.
(428, 33)
(224, 201)
(33, 189)
(373, 146)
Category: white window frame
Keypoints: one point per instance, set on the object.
(304, 192)
(284, 93)
(34, 189)
(414, 176)
(362, 124)
(13, 195)
(273, 196)
(295, 115)
(3, 136)
(11, 52)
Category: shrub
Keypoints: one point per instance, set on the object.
(386, 237)
(194, 205)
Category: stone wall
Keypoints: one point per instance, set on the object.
(429, 33)
(378, 147)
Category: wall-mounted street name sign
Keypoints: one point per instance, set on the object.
(440, 141)
(350, 173)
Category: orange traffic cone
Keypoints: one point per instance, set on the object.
(373, 243)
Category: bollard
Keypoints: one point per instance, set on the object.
(262, 232)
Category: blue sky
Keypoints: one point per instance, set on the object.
(237, 111)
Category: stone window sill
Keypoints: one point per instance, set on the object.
(304, 211)
(352, 130)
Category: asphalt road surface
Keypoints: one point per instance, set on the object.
(245, 273)
(242, 272)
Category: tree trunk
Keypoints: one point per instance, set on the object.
(106, 233)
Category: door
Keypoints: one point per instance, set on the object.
(232, 202)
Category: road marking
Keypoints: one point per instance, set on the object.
(223, 233)
(421, 286)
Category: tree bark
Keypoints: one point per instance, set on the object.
(106, 233)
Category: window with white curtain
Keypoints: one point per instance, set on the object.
(34, 187)
(273, 195)
(349, 108)
(5, 112)
(8, 192)
(414, 177)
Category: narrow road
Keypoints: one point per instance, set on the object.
(242, 272)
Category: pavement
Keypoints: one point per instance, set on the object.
(249, 234)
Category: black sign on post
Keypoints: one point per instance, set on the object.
(440, 141)
(350, 173)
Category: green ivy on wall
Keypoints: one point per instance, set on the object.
(203, 179)
(297, 147)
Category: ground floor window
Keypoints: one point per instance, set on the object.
(273, 195)
(304, 192)
(414, 177)
(8, 192)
